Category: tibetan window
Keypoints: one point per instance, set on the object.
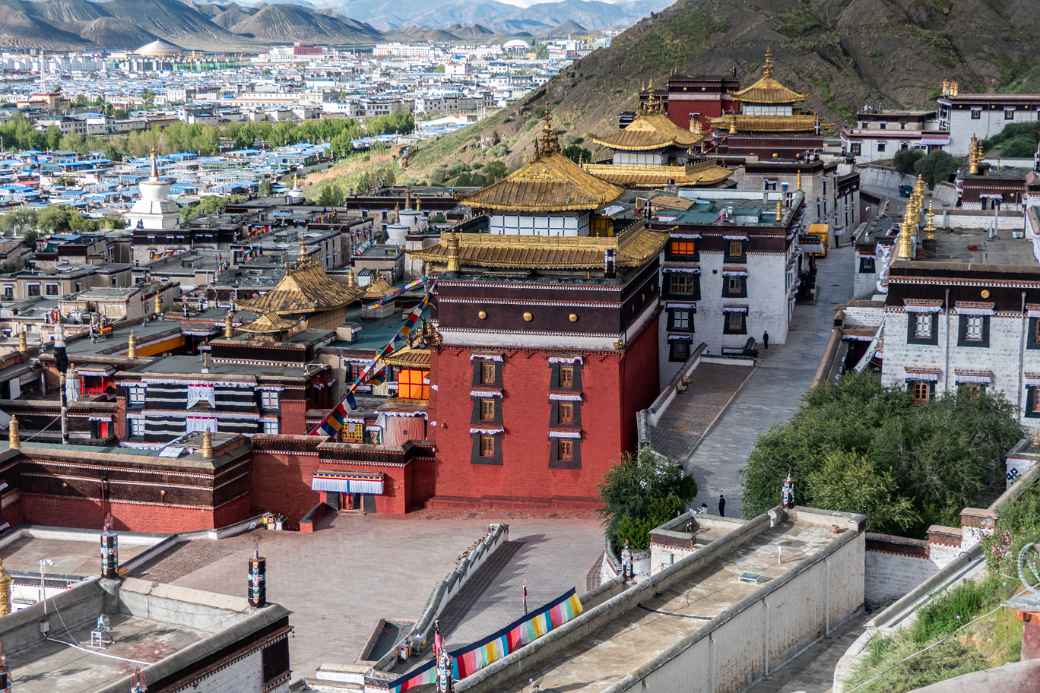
(679, 349)
(736, 251)
(353, 432)
(1034, 334)
(922, 328)
(680, 320)
(921, 391)
(973, 331)
(565, 376)
(487, 372)
(683, 250)
(1032, 402)
(487, 448)
(735, 323)
(734, 286)
(685, 285)
(413, 384)
(565, 453)
(563, 413)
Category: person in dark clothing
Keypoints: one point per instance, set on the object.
(765, 340)
(722, 505)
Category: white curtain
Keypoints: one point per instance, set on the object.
(196, 423)
(200, 392)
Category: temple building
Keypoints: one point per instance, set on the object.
(769, 124)
(154, 210)
(700, 98)
(544, 306)
(652, 151)
(306, 293)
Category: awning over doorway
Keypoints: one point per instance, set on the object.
(348, 482)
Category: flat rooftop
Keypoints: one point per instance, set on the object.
(740, 211)
(52, 667)
(71, 557)
(191, 364)
(640, 635)
(972, 245)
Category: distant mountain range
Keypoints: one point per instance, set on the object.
(192, 24)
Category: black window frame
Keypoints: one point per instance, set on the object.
(554, 413)
(726, 329)
(556, 463)
(673, 327)
(683, 355)
(478, 364)
(1032, 393)
(727, 292)
(680, 257)
(910, 382)
(867, 264)
(695, 295)
(856, 148)
(727, 257)
(1031, 339)
(976, 114)
(475, 456)
(554, 377)
(475, 413)
(911, 329)
(962, 331)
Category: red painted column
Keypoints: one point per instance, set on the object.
(1030, 634)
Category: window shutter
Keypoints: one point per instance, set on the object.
(1031, 337)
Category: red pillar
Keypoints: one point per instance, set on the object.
(119, 421)
(1030, 634)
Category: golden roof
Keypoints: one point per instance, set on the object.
(378, 288)
(705, 174)
(550, 183)
(799, 122)
(768, 90)
(633, 248)
(304, 289)
(410, 357)
(269, 323)
(647, 132)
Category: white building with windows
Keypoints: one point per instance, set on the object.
(983, 115)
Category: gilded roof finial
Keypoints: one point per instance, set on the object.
(131, 346)
(157, 302)
(351, 280)
(767, 65)
(14, 439)
(798, 179)
(904, 244)
(779, 210)
(229, 326)
(732, 125)
(929, 225)
(5, 590)
(453, 252)
(155, 166)
(207, 445)
(549, 141)
(23, 341)
(973, 155)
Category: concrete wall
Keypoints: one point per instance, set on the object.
(880, 177)
(894, 566)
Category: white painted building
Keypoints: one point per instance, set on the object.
(983, 115)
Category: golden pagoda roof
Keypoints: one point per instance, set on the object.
(799, 122)
(649, 131)
(550, 183)
(410, 357)
(269, 323)
(304, 289)
(705, 174)
(378, 288)
(633, 248)
(768, 90)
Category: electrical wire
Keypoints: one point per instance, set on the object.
(673, 613)
(99, 654)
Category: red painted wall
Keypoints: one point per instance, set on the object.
(614, 387)
(293, 417)
(64, 511)
(679, 111)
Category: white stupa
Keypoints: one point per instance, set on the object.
(295, 196)
(155, 209)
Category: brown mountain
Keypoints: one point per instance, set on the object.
(284, 23)
(232, 14)
(843, 53)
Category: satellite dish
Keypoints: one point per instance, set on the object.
(1029, 568)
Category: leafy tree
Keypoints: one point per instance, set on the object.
(207, 205)
(905, 160)
(495, 171)
(331, 196)
(930, 460)
(642, 492)
(577, 153)
(936, 167)
(264, 188)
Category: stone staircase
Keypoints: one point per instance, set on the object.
(461, 603)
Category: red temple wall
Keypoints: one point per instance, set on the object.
(66, 511)
(293, 417)
(525, 474)
(679, 111)
(639, 382)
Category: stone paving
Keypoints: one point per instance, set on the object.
(340, 581)
(688, 417)
(813, 670)
(773, 394)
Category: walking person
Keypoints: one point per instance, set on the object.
(722, 505)
(765, 340)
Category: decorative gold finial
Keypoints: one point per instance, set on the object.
(23, 341)
(207, 445)
(929, 226)
(229, 326)
(302, 252)
(351, 280)
(732, 125)
(549, 142)
(453, 252)
(5, 590)
(157, 303)
(695, 127)
(779, 210)
(798, 179)
(14, 439)
(767, 65)
(131, 346)
(904, 244)
(155, 165)
(973, 155)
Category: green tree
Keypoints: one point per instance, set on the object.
(850, 480)
(936, 167)
(940, 457)
(642, 492)
(905, 160)
(495, 170)
(331, 196)
(577, 153)
(264, 188)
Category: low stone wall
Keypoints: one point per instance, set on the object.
(894, 567)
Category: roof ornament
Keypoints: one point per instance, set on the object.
(155, 165)
(767, 66)
(14, 439)
(904, 244)
(131, 346)
(453, 252)
(929, 226)
(548, 142)
(973, 155)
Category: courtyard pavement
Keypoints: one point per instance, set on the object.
(774, 391)
(340, 581)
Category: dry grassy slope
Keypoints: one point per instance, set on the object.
(842, 52)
